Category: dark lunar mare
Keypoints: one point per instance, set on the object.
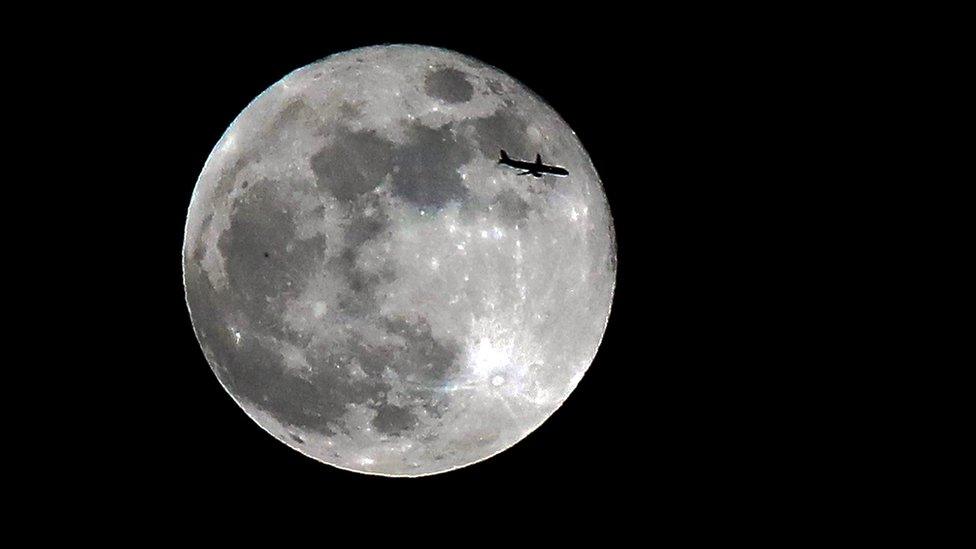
(423, 169)
(354, 163)
(427, 167)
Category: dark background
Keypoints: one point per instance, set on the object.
(762, 170)
(675, 402)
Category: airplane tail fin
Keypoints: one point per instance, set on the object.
(504, 155)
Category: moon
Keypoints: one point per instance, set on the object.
(371, 287)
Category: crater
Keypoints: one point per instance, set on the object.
(448, 84)
(495, 87)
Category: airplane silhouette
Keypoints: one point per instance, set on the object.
(537, 168)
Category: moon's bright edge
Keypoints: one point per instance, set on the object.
(371, 287)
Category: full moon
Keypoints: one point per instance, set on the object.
(372, 287)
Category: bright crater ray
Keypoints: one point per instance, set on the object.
(371, 287)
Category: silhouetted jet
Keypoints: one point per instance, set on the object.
(536, 168)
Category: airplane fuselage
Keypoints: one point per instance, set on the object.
(536, 169)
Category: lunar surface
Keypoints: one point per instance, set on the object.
(372, 287)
